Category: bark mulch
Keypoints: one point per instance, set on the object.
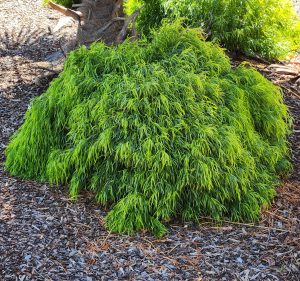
(45, 236)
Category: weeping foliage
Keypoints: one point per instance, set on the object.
(130, 6)
(157, 130)
(269, 28)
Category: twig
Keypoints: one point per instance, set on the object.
(78, 5)
(130, 19)
(290, 91)
(148, 241)
(50, 70)
(134, 32)
(117, 7)
(172, 249)
(257, 59)
(105, 240)
(61, 48)
(82, 224)
(277, 216)
(90, 13)
(294, 79)
(98, 33)
(252, 225)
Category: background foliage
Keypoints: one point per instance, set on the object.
(269, 28)
(131, 5)
(157, 129)
(66, 3)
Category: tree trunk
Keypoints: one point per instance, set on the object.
(102, 20)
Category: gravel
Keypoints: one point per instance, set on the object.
(45, 236)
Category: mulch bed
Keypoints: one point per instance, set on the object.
(45, 236)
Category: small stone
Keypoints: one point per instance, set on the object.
(72, 253)
(121, 272)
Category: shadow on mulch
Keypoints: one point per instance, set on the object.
(29, 43)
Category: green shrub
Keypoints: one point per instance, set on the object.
(131, 6)
(66, 3)
(157, 130)
(268, 28)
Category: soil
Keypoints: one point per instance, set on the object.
(45, 236)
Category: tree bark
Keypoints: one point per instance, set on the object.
(65, 11)
(101, 20)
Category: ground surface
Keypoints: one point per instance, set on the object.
(44, 236)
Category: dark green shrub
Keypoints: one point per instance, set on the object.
(268, 28)
(157, 129)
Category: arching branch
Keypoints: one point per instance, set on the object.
(128, 21)
(65, 11)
